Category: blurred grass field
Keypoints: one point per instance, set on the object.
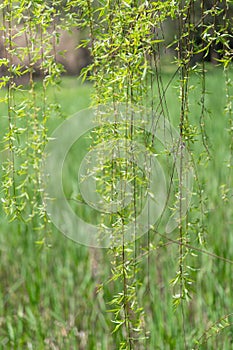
(48, 297)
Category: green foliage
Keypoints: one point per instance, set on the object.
(53, 285)
(126, 42)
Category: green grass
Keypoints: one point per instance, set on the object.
(48, 296)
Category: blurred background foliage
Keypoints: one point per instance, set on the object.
(48, 297)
